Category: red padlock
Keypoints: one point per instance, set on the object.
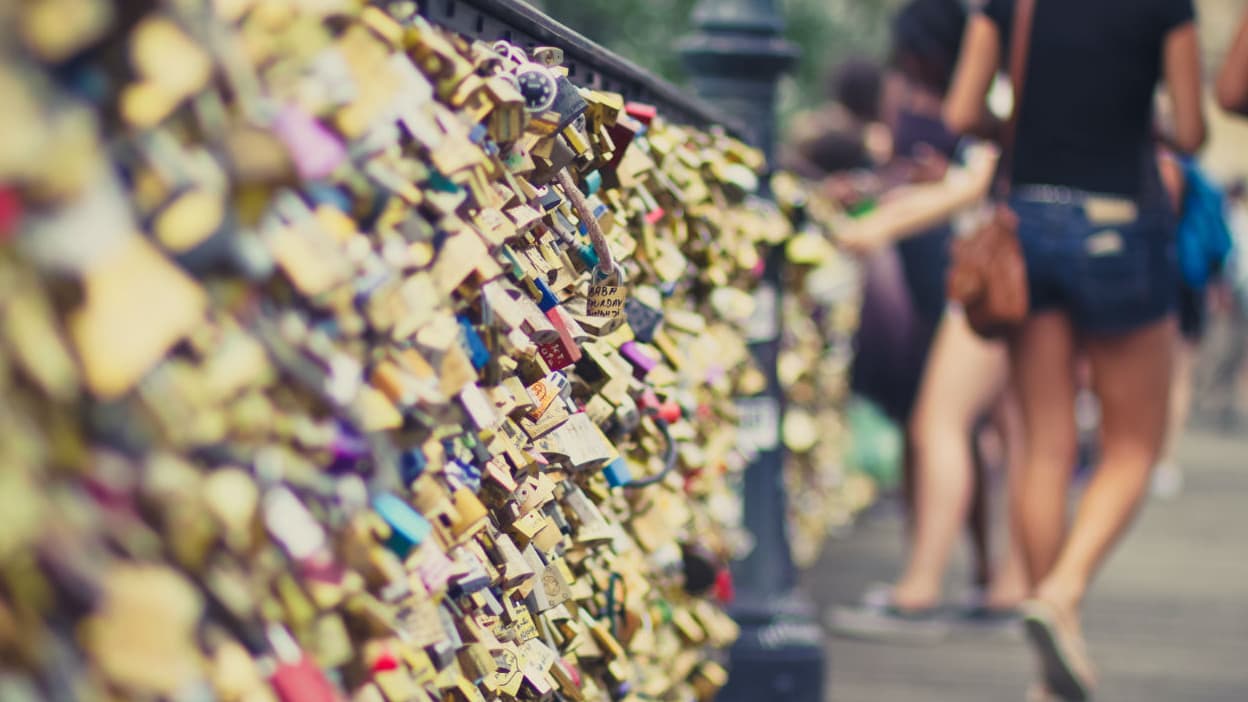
(669, 412)
(384, 661)
(564, 352)
(297, 677)
(641, 112)
(10, 212)
(725, 590)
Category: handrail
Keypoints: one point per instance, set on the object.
(589, 64)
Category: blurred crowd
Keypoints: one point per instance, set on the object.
(1137, 283)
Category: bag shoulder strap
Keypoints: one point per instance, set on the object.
(1020, 48)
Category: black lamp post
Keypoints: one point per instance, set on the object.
(735, 58)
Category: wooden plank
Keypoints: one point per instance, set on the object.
(1167, 619)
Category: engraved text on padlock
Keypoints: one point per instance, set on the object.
(606, 296)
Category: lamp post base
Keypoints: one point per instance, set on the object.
(735, 58)
(779, 655)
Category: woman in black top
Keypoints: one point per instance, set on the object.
(1097, 236)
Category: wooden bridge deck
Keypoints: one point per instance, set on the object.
(1166, 622)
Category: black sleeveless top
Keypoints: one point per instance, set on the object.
(1087, 110)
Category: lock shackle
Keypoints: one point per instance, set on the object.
(511, 52)
(601, 274)
(669, 455)
(614, 608)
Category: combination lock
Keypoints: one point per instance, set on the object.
(538, 86)
(535, 80)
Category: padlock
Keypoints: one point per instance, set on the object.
(408, 528)
(568, 102)
(605, 299)
(362, 269)
(296, 677)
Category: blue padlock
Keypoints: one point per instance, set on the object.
(550, 200)
(617, 473)
(407, 528)
(588, 255)
(411, 464)
(473, 343)
(547, 300)
(441, 183)
(465, 473)
(593, 182)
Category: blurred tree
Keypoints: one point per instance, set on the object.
(829, 32)
(646, 31)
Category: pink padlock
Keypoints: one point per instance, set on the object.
(564, 351)
(642, 362)
(297, 678)
(315, 150)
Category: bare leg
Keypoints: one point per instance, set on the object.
(1237, 372)
(907, 490)
(963, 376)
(1131, 377)
(1181, 397)
(1044, 360)
(979, 519)
(1009, 581)
(1168, 480)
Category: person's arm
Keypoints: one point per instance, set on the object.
(1232, 84)
(1181, 55)
(966, 106)
(1172, 178)
(916, 208)
(990, 128)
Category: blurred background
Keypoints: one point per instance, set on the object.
(827, 31)
(1224, 155)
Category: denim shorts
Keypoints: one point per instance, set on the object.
(1109, 274)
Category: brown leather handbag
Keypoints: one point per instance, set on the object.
(987, 273)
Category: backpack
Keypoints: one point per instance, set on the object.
(1204, 237)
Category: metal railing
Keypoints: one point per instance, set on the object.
(589, 64)
(735, 56)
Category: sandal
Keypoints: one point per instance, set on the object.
(984, 614)
(1063, 658)
(878, 595)
(889, 623)
(1003, 621)
(1039, 693)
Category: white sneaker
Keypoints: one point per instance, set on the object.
(890, 625)
(877, 595)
